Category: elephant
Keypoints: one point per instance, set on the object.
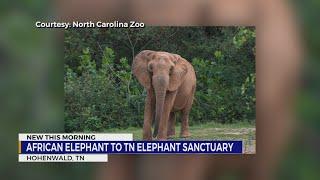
(170, 83)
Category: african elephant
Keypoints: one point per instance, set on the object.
(170, 82)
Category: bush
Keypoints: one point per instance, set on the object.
(102, 98)
(101, 93)
(220, 98)
(107, 98)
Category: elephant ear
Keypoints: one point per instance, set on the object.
(178, 73)
(140, 67)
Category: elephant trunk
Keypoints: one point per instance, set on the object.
(160, 85)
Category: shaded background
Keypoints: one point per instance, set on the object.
(287, 91)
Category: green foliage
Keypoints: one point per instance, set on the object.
(243, 36)
(101, 93)
(86, 64)
(102, 98)
(221, 98)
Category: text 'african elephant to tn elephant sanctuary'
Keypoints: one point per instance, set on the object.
(170, 82)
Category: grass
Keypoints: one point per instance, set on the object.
(209, 131)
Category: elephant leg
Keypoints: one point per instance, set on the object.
(185, 117)
(148, 115)
(185, 124)
(171, 125)
(163, 124)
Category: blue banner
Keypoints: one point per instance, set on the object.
(131, 147)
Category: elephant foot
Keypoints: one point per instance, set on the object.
(171, 134)
(185, 134)
(147, 137)
(161, 138)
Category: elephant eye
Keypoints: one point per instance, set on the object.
(171, 70)
(150, 67)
